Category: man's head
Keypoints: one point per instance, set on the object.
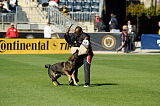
(1, 5)
(12, 24)
(159, 23)
(64, 6)
(129, 22)
(112, 14)
(124, 27)
(48, 23)
(78, 30)
(97, 15)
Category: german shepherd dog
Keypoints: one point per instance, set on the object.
(63, 68)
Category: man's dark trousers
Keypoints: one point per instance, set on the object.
(82, 59)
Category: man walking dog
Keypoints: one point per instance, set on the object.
(79, 39)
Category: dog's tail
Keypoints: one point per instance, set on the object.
(47, 65)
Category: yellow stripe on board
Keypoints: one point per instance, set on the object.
(34, 46)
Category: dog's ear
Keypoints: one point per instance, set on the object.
(77, 51)
(47, 65)
(73, 56)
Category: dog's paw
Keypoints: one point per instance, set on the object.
(76, 84)
(55, 83)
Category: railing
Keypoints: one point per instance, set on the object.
(7, 17)
(60, 20)
(83, 16)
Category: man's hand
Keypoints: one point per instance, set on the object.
(67, 31)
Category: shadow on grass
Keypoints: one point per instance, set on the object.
(92, 85)
(154, 52)
(104, 84)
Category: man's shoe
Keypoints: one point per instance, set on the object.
(86, 86)
(77, 80)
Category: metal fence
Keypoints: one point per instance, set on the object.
(83, 16)
(7, 17)
(60, 20)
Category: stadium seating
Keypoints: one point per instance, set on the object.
(87, 4)
(81, 10)
(81, 5)
(77, 8)
(63, 0)
(70, 3)
(86, 9)
(62, 3)
(71, 0)
(7, 17)
(70, 8)
(95, 9)
(95, 4)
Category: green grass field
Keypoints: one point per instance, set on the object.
(117, 80)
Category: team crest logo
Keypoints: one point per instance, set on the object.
(108, 42)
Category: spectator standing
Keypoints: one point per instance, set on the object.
(64, 10)
(113, 23)
(43, 2)
(2, 10)
(6, 6)
(130, 27)
(57, 1)
(100, 26)
(97, 18)
(47, 31)
(125, 41)
(12, 32)
(1, 7)
(13, 4)
(131, 35)
(159, 28)
(52, 3)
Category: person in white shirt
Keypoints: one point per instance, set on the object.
(131, 34)
(130, 27)
(6, 6)
(47, 31)
(52, 3)
(13, 3)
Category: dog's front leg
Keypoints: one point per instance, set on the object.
(73, 77)
(69, 76)
(54, 80)
(52, 75)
